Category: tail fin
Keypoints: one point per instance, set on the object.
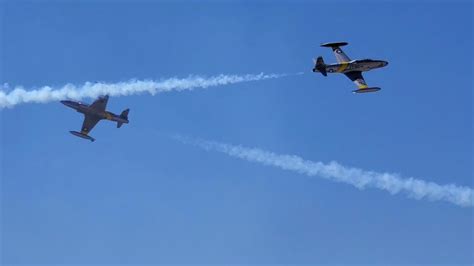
(123, 115)
(320, 66)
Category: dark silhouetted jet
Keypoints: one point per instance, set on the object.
(93, 114)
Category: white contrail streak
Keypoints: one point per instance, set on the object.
(45, 94)
(393, 183)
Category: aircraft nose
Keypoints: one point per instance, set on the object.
(385, 63)
(69, 103)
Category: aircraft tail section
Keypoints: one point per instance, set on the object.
(123, 115)
(320, 66)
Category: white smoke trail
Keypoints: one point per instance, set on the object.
(393, 183)
(92, 90)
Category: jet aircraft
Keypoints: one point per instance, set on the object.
(351, 68)
(93, 114)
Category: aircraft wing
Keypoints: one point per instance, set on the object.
(89, 123)
(341, 57)
(357, 78)
(100, 104)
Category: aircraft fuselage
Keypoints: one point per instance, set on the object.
(87, 110)
(355, 65)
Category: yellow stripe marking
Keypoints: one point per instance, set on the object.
(342, 67)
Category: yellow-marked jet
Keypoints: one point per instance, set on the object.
(93, 113)
(351, 68)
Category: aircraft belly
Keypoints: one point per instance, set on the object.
(347, 67)
(357, 68)
(83, 109)
(90, 111)
(332, 68)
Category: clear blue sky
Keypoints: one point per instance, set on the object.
(134, 196)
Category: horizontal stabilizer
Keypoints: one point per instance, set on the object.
(334, 44)
(371, 89)
(81, 135)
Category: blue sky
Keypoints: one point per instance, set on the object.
(136, 196)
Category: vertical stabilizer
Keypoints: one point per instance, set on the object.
(124, 116)
(320, 66)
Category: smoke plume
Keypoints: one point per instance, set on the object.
(45, 94)
(392, 183)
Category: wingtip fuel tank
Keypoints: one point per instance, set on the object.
(81, 135)
(366, 90)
